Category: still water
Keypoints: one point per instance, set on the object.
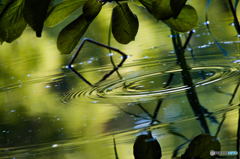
(48, 112)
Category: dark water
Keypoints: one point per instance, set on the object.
(47, 111)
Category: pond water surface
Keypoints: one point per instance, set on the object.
(48, 112)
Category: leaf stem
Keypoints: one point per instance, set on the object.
(109, 44)
(236, 22)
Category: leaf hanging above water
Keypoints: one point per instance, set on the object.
(162, 9)
(71, 34)
(147, 4)
(91, 9)
(12, 21)
(62, 10)
(124, 24)
(50, 7)
(201, 146)
(146, 147)
(3, 4)
(176, 7)
(35, 12)
(186, 20)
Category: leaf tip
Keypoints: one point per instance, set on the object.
(38, 34)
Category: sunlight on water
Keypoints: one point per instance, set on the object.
(47, 111)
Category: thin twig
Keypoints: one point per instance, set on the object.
(115, 147)
(234, 93)
(156, 110)
(101, 45)
(187, 44)
(109, 44)
(220, 125)
(161, 100)
(188, 39)
(207, 24)
(236, 22)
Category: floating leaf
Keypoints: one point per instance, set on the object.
(186, 20)
(91, 9)
(35, 12)
(201, 146)
(124, 24)
(71, 34)
(147, 4)
(162, 9)
(146, 147)
(176, 7)
(12, 21)
(62, 10)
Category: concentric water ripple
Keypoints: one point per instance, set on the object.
(151, 85)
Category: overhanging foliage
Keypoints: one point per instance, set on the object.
(16, 14)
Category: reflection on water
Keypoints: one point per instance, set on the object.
(48, 112)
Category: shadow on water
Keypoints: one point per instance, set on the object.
(209, 143)
(20, 130)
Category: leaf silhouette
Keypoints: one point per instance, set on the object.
(176, 7)
(124, 24)
(12, 21)
(147, 4)
(201, 146)
(186, 20)
(35, 13)
(71, 34)
(146, 147)
(91, 9)
(3, 4)
(162, 9)
(62, 10)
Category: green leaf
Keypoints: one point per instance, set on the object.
(50, 7)
(62, 10)
(12, 21)
(71, 34)
(91, 9)
(3, 4)
(124, 24)
(146, 147)
(147, 4)
(201, 146)
(176, 7)
(35, 12)
(186, 20)
(162, 9)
